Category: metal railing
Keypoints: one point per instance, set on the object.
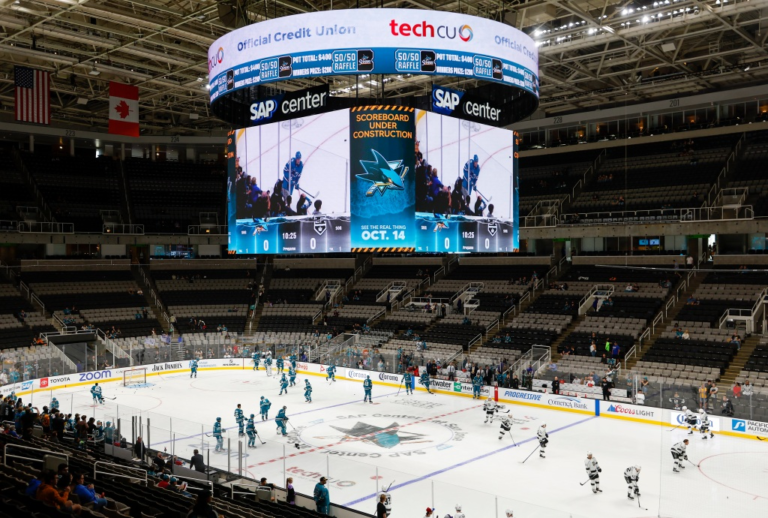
(207, 230)
(478, 338)
(681, 215)
(46, 227)
(141, 474)
(122, 229)
(439, 273)
(7, 455)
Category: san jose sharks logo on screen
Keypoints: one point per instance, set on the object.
(383, 174)
(286, 66)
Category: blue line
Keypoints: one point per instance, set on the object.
(469, 461)
(268, 420)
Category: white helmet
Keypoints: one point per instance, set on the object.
(685, 408)
(458, 507)
(509, 513)
(543, 425)
(589, 454)
(702, 411)
(638, 468)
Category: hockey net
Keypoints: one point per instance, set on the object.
(134, 377)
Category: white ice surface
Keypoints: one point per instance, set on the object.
(440, 452)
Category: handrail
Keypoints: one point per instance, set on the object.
(646, 335)
(632, 352)
(440, 271)
(489, 327)
(656, 321)
(526, 295)
(476, 339)
(36, 300)
(6, 455)
(377, 315)
(142, 473)
(511, 309)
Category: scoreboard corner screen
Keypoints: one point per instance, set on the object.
(372, 178)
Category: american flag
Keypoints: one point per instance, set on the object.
(33, 95)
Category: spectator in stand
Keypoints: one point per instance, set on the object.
(556, 386)
(606, 386)
(736, 340)
(692, 301)
(685, 335)
(48, 494)
(139, 450)
(736, 390)
(203, 507)
(290, 497)
(713, 391)
(593, 349)
(703, 393)
(727, 407)
(746, 389)
(87, 494)
(159, 462)
(322, 497)
(197, 462)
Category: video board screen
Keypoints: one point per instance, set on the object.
(465, 195)
(376, 178)
(291, 186)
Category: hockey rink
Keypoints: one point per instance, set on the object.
(436, 451)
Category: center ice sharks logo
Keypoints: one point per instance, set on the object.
(387, 437)
(383, 174)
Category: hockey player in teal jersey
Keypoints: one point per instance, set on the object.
(217, 435)
(193, 368)
(96, 393)
(408, 382)
(307, 391)
(239, 418)
(54, 404)
(256, 359)
(293, 361)
(283, 385)
(331, 373)
(280, 363)
(264, 405)
(292, 376)
(425, 380)
(250, 429)
(367, 386)
(281, 421)
(477, 383)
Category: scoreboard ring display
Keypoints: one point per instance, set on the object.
(314, 173)
(358, 42)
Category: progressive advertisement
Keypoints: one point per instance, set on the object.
(380, 41)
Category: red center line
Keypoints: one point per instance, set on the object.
(363, 437)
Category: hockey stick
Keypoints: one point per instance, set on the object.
(638, 504)
(582, 483)
(692, 463)
(111, 398)
(513, 439)
(760, 438)
(675, 428)
(529, 455)
(400, 386)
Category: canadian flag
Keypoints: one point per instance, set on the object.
(123, 109)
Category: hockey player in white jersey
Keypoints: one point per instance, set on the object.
(506, 425)
(691, 419)
(387, 499)
(457, 514)
(679, 455)
(490, 409)
(543, 437)
(632, 476)
(508, 512)
(704, 426)
(593, 470)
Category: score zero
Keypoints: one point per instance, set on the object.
(381, 235)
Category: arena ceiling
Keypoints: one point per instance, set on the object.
(593, 53)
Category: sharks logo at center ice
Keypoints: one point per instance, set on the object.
(384, 437)
(383, 174)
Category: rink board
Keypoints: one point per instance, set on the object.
(742, 428)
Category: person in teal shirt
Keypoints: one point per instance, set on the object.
(322, 497)
(367, 386)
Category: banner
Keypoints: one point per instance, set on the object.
(289, 105)
(380, 41)
(123, 109)
(382, 195)
(462, 105)
(678, 418)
